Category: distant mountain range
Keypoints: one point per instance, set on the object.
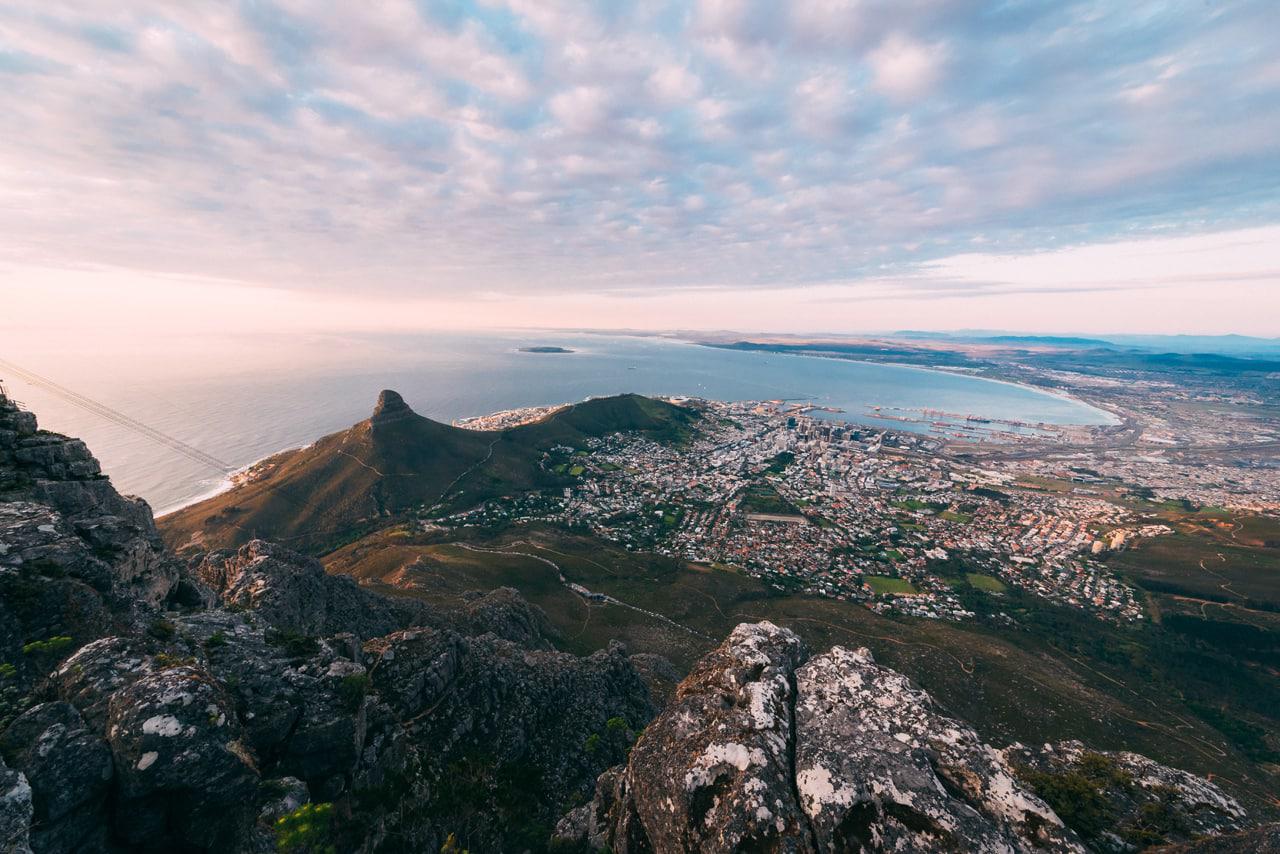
(1235, 345)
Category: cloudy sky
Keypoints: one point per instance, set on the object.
(815, 165)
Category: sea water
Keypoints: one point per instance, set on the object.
(243, 400)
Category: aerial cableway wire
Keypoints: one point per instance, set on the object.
(117, 417)
(189, 451)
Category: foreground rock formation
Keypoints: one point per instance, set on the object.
(246, 701)
(765, 748)
(77, 559)
(154, 706)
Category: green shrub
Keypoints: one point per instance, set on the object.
(49, 646)
(616, 724)
(1076, 799)
(7, 670)
(352, 690)
(161, 629)
(215, 640)
(1104, 771)
(306, 830)
(1078, 794)
(1156, 821)
(294, 645)
(592, 744)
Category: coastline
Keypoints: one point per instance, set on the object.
(950, 370)
(229, 482)
(1096, 415)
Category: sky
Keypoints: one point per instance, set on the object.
(816, 165)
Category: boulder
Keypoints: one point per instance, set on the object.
(70, 772)
(89, 678)
(293, 593)
(877, 766)
(713, 773)
(184, 778)
(764, 748)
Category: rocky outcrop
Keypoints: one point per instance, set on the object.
(1121, 801)
(390, 406)
(519, 729)
(767, 749)
(196, 737)
(77, 559)
(183, 774)
(70, 770)
(66, 483)
(293, 593)
(506, 614)
(877, 764)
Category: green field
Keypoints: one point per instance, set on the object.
(884, 585)
(988, 583)
(761, 497)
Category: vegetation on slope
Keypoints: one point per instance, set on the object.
(350, 483)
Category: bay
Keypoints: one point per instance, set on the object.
(239, 401)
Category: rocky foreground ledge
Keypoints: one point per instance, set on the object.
(766, 748)
(246, 701)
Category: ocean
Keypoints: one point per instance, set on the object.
(240, 401)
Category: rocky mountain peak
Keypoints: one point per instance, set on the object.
(390, 405)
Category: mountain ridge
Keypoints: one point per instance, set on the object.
(247, 701)
(394, 461)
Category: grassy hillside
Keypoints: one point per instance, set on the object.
(352, 482)
(1024, 670)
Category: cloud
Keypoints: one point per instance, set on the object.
(431, 150)
(673, 84)
(582, 109)
(905, 68)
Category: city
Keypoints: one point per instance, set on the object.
(837, 510)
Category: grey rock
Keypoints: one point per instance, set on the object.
(877, 767)
(505, 613)
(90, 677)
(16, 812)
(77, 559)
(765, 749)
(1139, 794)
(293, 593)
(184, 778)
(713, 772)
(70, 771)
